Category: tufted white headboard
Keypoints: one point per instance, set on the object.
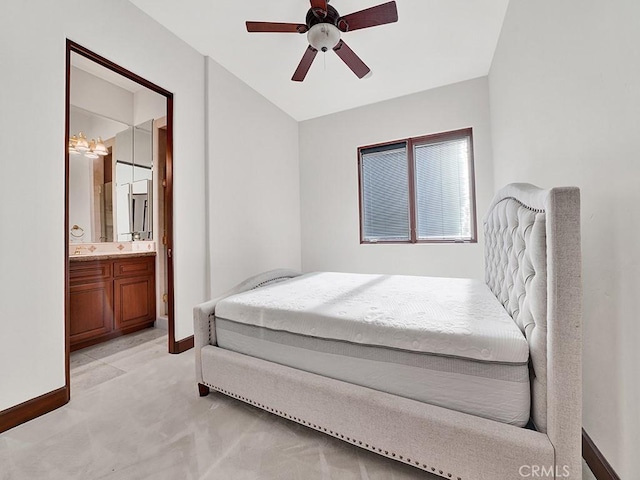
(533, 267)
(516, 272)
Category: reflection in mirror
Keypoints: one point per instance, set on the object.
(111, 177)
(90, 179)
(134, 182)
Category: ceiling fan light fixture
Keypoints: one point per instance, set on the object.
(323, 36)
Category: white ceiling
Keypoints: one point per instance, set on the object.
(434, 43)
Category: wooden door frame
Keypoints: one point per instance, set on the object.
(73, 47)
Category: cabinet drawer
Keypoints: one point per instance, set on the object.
(83, 272)
(134, 267)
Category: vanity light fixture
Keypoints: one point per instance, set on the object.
(79, 144)
(91, 154)
(73, 141)
(100, 148)
(82, 145)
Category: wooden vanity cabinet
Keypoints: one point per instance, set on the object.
(110, 297)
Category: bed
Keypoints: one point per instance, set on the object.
(461, 378)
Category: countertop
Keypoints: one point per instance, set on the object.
(88, 257)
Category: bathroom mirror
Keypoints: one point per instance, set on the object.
(111, 196)
(111, 155)
(134, 183)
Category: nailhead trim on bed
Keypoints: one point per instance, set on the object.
(537, 210)
(356, 442)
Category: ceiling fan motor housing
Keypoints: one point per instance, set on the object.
(324, 33)
(333, 17)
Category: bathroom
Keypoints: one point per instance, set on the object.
(119, 209)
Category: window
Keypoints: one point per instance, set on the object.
(418, 190)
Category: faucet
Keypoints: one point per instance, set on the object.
(78, 250)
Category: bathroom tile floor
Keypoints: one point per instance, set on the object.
(135, 414)
(100, 363)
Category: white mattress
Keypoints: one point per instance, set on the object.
(444, 316)
(447, 342)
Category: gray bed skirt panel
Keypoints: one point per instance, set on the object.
(494, 390)
(440, 441)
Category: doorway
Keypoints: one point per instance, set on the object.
(144, 229)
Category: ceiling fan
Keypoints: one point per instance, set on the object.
(324, 26)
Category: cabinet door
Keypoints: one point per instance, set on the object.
(135, 301)
(90, 310)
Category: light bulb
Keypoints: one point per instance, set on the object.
(100, 148)
(82, 145)
(73, 141)
(323, 36)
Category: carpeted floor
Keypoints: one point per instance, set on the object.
(135, 414)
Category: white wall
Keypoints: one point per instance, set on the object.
(81, 178)
(565, 105)
(329, 181)
(253, 182)
(102, 97)
(81, 196)
(148, 105)
(93, 126)
(32, 101)
(97, 95)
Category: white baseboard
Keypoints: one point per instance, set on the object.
(162, 323)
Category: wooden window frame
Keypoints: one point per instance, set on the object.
(410, 144)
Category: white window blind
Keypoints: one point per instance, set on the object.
(385, 195)
(443, 193)
(418, 190)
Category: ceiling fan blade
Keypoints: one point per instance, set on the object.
(351, 59)
(370, 17)
(275, 27)
(305, 64)
(319, 7)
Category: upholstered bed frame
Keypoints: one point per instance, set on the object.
(533, 266)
